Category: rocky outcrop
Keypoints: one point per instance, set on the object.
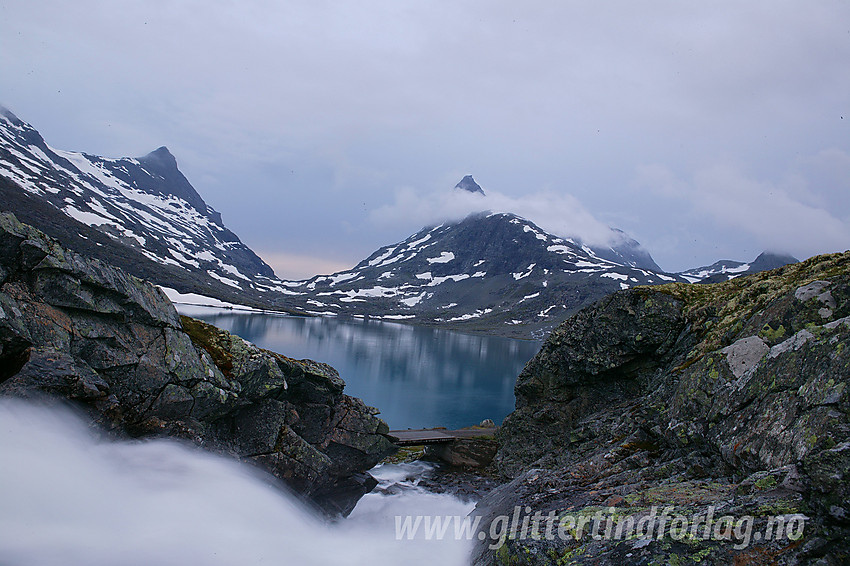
(694, 401)
(80, 330)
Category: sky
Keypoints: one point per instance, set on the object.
(324, 130)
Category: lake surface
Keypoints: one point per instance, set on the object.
(418, 377)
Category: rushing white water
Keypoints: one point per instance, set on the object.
(70, 498)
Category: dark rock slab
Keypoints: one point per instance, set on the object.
(465, 452)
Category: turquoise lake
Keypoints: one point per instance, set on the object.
(418, 377)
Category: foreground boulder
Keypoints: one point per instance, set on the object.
(80, 330)
(685, 424)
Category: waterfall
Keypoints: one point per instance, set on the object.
(70, 497)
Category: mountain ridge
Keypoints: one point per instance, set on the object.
(489, 272)
(144, 203)
(726, 269)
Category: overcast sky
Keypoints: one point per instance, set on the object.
(324, 130)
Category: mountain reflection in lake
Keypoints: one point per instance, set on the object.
(417, 377)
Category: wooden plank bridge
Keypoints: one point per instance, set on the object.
(412, 437)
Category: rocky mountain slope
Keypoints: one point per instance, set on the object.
(726, 269)
(81, 330)
(488, 271)
(146, 207)
(694, 401)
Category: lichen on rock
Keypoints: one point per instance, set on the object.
(731, 394)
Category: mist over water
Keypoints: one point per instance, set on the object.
(68, 497)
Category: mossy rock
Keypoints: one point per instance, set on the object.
(211, 339)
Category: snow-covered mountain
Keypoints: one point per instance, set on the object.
(144, 203)
(494, 272)
(726, 269)
(627, 251)
(490, 270)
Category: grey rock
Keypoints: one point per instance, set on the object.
(744, 355)
(794, 343)
(815, 289)
(85, 332)
(594, 361)
(735, 398)
(56, 373)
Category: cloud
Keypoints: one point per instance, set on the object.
(780, 216)
(557, 213)
(294, 119)
(827, 174)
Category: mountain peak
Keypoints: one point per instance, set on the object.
(771, 260)
(469, 184)
(112, 197)
(162, 156)
(7, 113)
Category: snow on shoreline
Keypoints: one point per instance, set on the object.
(183, 300)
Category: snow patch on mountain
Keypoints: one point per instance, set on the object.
(444, 257)
(145, 203)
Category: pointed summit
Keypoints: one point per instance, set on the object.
(469, 184)
(161, 156)
(167, 179)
